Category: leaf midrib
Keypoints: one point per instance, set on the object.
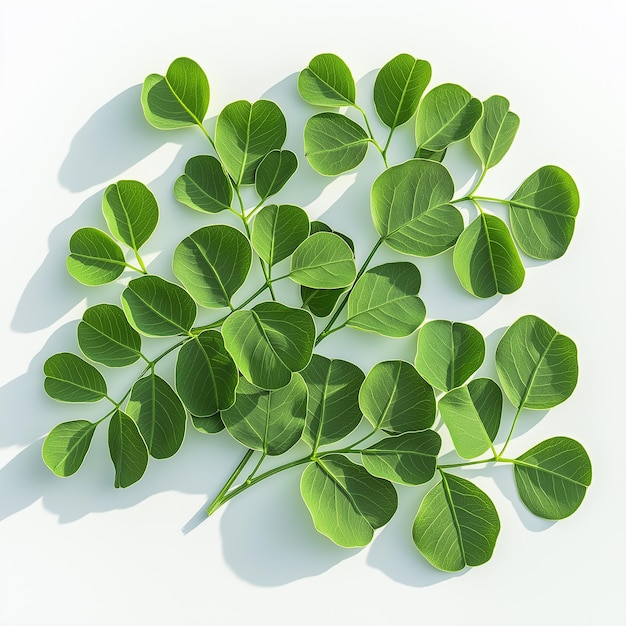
(547, 471)
(530, 207)
(533, 375)
(215, 273)
(455, 520)
(402, 97)
(70, 451)
(442, 128)
(158, 313)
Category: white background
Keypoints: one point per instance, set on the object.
(76, 551)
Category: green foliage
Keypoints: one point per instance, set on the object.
(274, 171)
(210, 425)
(127, 448)
(70, 379)
(66, 446)
(278, 230)
(204, 186)
(327, 82)
(95, 259)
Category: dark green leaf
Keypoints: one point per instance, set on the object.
(66, 446)
(128, 450)
(431, 155)
(95, 259)
(208, 425)
(70, 379)
(327, 81)
(204, 186)
(274, 171)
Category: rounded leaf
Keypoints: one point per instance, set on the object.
(66, 446)
(95, 259)
(68, 378)
(204, 186)
(208, 425)
(327, 81)
(127, 448)
(276, 168)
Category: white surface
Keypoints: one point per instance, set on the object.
(77, 551)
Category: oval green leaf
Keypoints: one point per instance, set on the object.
(276, 168)
(327, 82)
(430, 155)
(66, 446)
(95, 259)
(127, 448)
(68, 378)
(210, 425)
(204, 186)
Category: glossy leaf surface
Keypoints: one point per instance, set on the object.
(66, 446)
(95, 259)
(327, 81)
(204, 186)
(127, 448)
(68, 378)
(276, 168)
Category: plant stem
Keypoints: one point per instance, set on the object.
(465, 463)
(206, 134)
(219, 499)
(382, 151)
(256, 468)
(489, 199)
(506, 443)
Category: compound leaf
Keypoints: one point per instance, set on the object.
(276, 168)
(95, 259)
(66, 446)
(127, 448)
(204, 186)
(68, 378)
(327, 81)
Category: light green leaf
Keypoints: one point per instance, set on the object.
(323, 261)
(278, 230)
(408, 459)
(159, 414)
(486, 259)
(269, 342)
(552, 478)
(206, 375)
(385, 301)
(158, 308)
(411, 208)
(334, 144)
(66, 446)
(127, 448)
(398, 88)
(537, 366)
(448, 353)
(493, 135)
(333, 409)
(68, 378)
(446, 114)
(178, 99)
(543, 212)
(346, 503)
(105, 336)
(95, 259)
(245, 132)
(457, 525)
(269, 421)
(395, 398)
(276, 168)
(472, 415)
(208, 425)
(431, 155)
(204, 186)
(327, 82)
(212, 263)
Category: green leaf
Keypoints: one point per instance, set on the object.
(431, 155)
(486, 259)
(385, 301)
(323, 261)
(333, 409)
(543, 212)
(408, 459)
(68, 378)
(269, 421)
(327, 82)
(178, 99)
(105, 336)
(537, 366)
(95, 259)
(127, 448)
(395, 398)
(447, 114)
(159, 414)
(208, 425)
(334, 144)
(276, 168)
(245, 132)
(448, 353)
(131, 212)
(206, 375)
(278, 230)
(457, 525)
(269, 342)
(552, 478)
(494, 133)
(398, 88)
(472, 415)
(212, 263)
(158, 308)
(204, 186)
(346, 503)
(411, 208)
(66, 446)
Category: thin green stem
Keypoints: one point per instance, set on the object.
(382, 151)
(506, 443)
(256, 467)
(142, 265)
(466, 463)
(136, 269)
(489, 199)
(206, 134)
(219, 499)
(389, 136)
(325, 333)
(477, 185)
(351, 448)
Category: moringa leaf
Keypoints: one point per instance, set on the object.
(385, 301)
(411, 208)
(158, 308)
(537, 366)
(346, 503)
(204, 186)
(448, 353)
(276, 168)
(212, 263)
(552, 477)
(334, 144)
(269, 342)
(278, 230)
(398, 88)
(178, 99)
(105, 336)
(245, 133)
(395, 398)
(486, 259)
(457, 525)
(446, 115)
(206, 375)
(66, 446)
(543, 212)
(269, 421)
(327, 82)
(210, 425)
(127, 448)
(68, 378)
(95, 259)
